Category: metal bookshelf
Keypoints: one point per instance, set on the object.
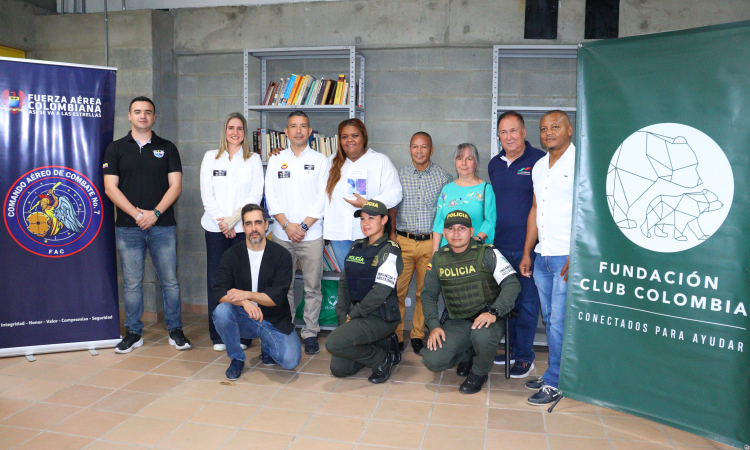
(343, 52)
(523, 51)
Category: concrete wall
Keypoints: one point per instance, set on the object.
(429, 67)
(17, 24)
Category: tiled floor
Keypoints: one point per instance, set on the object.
(157, 397)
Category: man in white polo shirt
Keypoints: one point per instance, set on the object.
(294, 198)
(550, 221)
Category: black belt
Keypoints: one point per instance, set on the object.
(416, 237)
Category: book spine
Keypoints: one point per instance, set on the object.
(288, 91)
(279, 91)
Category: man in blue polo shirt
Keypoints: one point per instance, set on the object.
(510, 175)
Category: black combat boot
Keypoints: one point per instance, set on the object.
(472, 384)
(381, 373)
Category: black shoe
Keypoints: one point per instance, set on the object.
(266, 359)
(417, 345)
(472, 384)
(545, 396)
(500, 359)
(401, 346)
(521, 369)
(535, 384)
(393, 341)
(464, 368)
(235, 369)
(129, 342)
(311, 346)
(178, 339)
(381, 373)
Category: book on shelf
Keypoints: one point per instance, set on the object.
(307, 90)
(329, 258)
(325, 145)
(265, 140)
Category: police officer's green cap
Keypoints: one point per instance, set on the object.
(372, 207)
(457, 217)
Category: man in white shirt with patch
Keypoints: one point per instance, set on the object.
(295, 199)
(550, 221)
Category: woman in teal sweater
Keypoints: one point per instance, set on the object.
(468, 193)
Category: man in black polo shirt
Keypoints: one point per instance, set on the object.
(510, 175)
(143, 178)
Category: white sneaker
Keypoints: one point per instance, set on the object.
(223, 348)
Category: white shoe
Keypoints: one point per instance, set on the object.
(223, 348)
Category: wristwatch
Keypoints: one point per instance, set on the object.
(157, 213)
(492, 310)
(304, 226)
(479, 239)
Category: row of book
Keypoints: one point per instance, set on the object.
(329, 260)
(264, 141)
(308, 90)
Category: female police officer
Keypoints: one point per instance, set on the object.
(367, 306)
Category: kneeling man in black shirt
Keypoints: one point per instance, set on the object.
(251, 289)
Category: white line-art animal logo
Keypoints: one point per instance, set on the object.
(657, 188)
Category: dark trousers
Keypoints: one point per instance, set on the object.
(216, 245)
(462, 343)
(522, 329)
(358, 343)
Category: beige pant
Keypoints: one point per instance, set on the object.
(310, 257)
(416, 256)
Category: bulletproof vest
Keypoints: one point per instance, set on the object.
(467, 284)
(361, 272)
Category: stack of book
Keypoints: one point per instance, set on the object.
(266, 140)
(308, 90)
(329, 261)
(325, 145)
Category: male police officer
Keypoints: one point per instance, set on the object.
(479, 287)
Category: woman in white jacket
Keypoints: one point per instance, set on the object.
(231, 177)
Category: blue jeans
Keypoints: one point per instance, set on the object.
(216, 245)
(233, 323)
(340, 251)
(522, 329)
(553, 291)
(161, 243)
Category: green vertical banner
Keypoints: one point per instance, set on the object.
(659, 284)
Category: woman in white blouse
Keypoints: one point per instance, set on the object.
(356, 174)
(231, 177)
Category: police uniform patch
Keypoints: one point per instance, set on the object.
(285, 174)
(375, 261)
(158, 153)
(429, 266)
(388, 273)
(503, 269)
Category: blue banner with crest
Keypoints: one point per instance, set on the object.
(58, 287)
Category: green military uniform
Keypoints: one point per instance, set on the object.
(367, 294)
(468, 283)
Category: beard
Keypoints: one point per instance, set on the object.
(254, 238)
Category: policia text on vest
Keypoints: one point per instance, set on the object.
(472, 282)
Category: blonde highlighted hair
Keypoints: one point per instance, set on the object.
(224, 145)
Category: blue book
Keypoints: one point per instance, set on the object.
(289, 86)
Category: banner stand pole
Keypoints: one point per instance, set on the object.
(513, 313)
(555, 404)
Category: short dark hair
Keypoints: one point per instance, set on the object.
(423, 134)
(141, 99)
(557, 111)
(250, 207)
(298, 114)
(510, 114)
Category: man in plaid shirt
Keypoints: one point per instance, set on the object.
(422, 181)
